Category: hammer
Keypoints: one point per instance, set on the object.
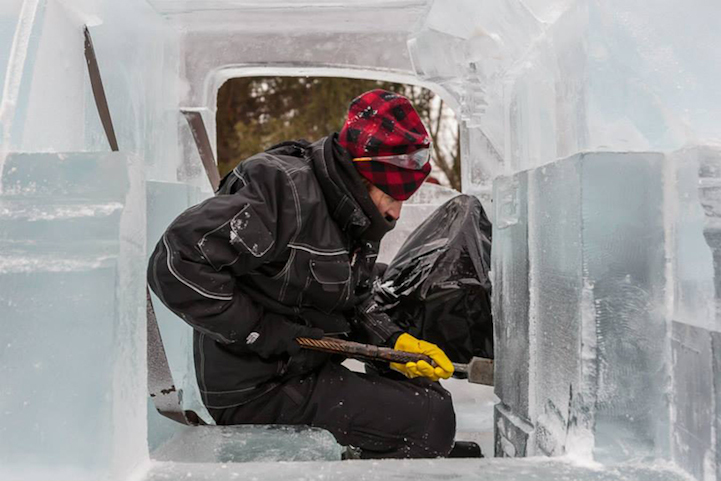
(478, 371)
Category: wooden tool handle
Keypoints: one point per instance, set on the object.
(362, 351)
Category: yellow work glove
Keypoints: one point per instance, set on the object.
(408, 343)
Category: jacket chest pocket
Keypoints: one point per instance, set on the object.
(328, 284)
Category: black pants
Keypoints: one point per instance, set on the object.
(384, 417)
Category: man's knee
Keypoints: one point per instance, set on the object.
(437, 440)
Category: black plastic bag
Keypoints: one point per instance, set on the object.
(437, 286)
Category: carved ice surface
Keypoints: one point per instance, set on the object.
(71, 252)
(613, 348)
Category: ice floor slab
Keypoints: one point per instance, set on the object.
(249, 443)
(532, 469)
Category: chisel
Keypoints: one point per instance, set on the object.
(478, 371)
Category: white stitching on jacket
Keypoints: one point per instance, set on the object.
(198, 289)
(245, 182)
(286, 267)
(272, 243)
(201, 242)
(298, 217)
(201, 341)
(231, 391)
(306, 248)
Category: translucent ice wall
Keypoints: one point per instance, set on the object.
(597, 123)
(77, 221)
(606, 304)
(591, 123)
(73, 233)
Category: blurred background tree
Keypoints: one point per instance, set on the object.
(255, 113)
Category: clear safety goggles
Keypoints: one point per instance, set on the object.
(413, 161)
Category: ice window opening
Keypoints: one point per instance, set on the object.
(255, 113)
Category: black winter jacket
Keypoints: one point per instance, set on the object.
(283, 235)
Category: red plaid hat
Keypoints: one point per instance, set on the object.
(381, 128)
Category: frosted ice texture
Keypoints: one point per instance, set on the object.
(596, 335)
(716, 373)
(73, 235)
(69, 270)
(612, 356)
(539, 81)
(696, 374)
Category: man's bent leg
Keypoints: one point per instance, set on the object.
(385, 418)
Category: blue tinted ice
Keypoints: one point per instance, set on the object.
(591, 126)
(617, 341)
(71, 337)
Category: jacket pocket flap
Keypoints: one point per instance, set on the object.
(330, 272)
(244, 233)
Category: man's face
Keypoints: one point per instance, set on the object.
(389, 207)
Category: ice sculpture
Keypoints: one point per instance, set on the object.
(591, 125)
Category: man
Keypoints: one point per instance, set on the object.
(286, 249)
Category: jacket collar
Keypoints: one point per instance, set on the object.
(349, 203)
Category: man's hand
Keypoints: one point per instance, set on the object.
(408, 343)
(274, 335)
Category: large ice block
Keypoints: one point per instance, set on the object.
(693, 400)
(624, 265)
(592, 343)
(72, 337)
(556, 290)
(716, 376)
(619, 342)
(696, 277)
(510, 313)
